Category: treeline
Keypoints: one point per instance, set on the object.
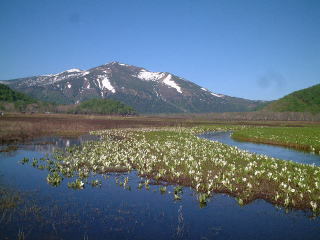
(102, 106)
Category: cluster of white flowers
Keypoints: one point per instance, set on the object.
(176, 155)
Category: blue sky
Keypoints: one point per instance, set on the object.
(260, 49)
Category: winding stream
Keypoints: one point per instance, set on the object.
(112, 212)
(269, 150)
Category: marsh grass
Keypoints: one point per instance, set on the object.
(23, 127)
(301, 138)
(21, 235)
(9, 199)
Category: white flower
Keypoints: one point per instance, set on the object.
(313, 205)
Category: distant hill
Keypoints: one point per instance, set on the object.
(144, 90)
(305, 100)
(103, 106)
(12, 101)
(9, 95)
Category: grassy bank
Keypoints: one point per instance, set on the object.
(302, 138)
(177, 156)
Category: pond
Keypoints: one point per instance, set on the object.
(112, 211)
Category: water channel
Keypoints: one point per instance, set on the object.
(112, 212)
(269, 150)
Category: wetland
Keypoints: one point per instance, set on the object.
(164, 183)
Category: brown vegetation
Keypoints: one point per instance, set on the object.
(21, 127)
(252, 116)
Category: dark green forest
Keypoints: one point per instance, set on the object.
(103, 106)
(19, 100)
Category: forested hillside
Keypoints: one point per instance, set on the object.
(305, 100)
(103, 106)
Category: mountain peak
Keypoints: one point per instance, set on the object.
(118, 63)
(74, 70)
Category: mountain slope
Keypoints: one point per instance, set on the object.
(145, 91)
(305, 100)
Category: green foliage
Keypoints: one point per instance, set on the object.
(54, 179)
(11, 100)
(103, 106)
(305, 100)
(261, 106)
(9, 95)
(78, 184)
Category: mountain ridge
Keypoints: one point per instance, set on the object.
(144, 90)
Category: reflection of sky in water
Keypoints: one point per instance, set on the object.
(269, 150)
(50, 144)
(111, 212)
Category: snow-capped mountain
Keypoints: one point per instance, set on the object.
(146, 91)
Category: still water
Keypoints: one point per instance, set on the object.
(112, 212)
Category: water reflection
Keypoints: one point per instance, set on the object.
(52, 143)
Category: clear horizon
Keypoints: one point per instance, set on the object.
(259, 50)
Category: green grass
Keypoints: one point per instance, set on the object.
(178, 156)
(303, 138)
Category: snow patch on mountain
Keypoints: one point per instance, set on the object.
(216, 95)
(149, 76)
(106, 84)
(72, 70)
(50, 79)
(69, 85)
(168, 81)
(122, 64)
(213, 94)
